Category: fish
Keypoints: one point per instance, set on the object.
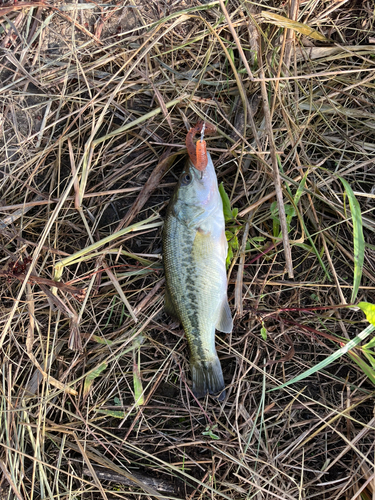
(194, 255)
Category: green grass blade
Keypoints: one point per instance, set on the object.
(370, 357)
(358, 238)
(137, 379)
(93, 374)
(367, 370)
(354, 342)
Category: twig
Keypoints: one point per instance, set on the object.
(152, 183)
(235, 37)
(79, 293)
(276, 175)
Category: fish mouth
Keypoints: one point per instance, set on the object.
(197, 174)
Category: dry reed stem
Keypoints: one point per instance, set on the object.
(276, 177)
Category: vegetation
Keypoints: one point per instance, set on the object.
(96, 100)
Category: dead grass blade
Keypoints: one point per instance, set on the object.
(8, 478)
(91, 469)
(117, 286)
(301, 28)
(29, 348)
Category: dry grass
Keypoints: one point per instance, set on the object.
(96, 100)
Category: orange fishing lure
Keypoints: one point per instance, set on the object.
(198, 152)
(201, 155)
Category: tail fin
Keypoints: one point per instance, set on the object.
(207, 377)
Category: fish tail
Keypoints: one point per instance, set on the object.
(207, 377)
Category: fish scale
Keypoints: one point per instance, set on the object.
(194, 251)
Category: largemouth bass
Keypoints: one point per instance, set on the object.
(194, 253)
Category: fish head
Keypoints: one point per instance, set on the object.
(197, 193)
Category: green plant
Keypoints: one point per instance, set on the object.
(232, 225)
(209, 432)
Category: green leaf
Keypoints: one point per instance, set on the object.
(229, 256)
(234, 212)
(112, 413)
(367, 370)
(369, 310)
(263, 332)
(275, 227)
(137, 379)
(358, 238)
(99, 340)
(89, 379)
(274, 210)
(300, 188)
(138, 387)
(289, 210)
(209, 432)
(231, 53)
(226, 203)
(305, 247)
(345, 349)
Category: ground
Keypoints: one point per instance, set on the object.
(96, 101)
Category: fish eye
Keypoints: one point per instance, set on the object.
(186, 179)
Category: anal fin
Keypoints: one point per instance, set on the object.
(225, 323)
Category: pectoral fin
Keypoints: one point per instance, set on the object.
(190, 215)
(225, 323)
